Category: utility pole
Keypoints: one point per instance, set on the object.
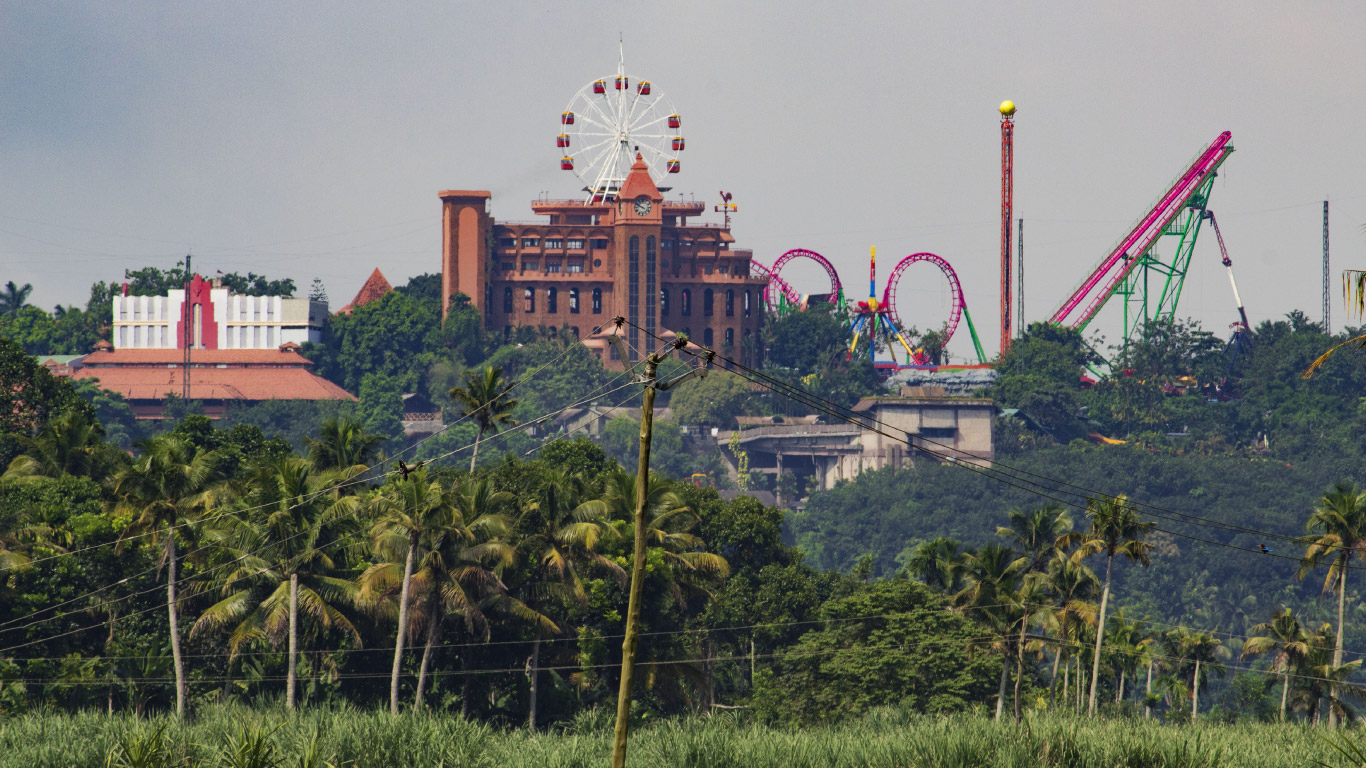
(1019, 280)
(188, 334)
(1327, 317)
(632, 633)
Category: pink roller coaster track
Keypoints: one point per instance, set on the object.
(1122, 260)
(783, 288)
(956, 290)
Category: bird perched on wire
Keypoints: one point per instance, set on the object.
(1265, 549)
(404, 469)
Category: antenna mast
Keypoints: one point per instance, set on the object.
(1327, 317)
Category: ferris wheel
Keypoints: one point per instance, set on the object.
(611, 119)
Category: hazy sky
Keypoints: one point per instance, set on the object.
(310, 139)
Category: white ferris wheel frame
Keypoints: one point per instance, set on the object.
(609, 128)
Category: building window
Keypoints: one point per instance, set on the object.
(723, 270)
(633, 294)
(708, 338)
(552, 300)
(597, 301)
(528, 265)
(749, 299)
(686, 303)
(574, 329)
(507, 332)
(576, 243)
(508, 242)
(651, 292)
(938, 433)
(574, 303)
(730, 303)
(507, 300)
(706, 270)
(529, 295)
(668, 245)
(663, 302)
(507, 266)
(530, 242)
(730, 338)
(552, 267)
(599, 243)
(575, 267)
(554, 242)
(707, 302)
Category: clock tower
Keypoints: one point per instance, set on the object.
(636, 222)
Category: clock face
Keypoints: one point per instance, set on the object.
(642, 206)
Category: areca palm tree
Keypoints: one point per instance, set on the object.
(1323, 684)
(1128, 642)
(560, 538)
(1196, 649)
(406, 512)
(485, 399)
(1116, 529)
(1036, 532)
(170, 484)
(1335, 532)
(993, 574)
(1285, 640)
(291, 561)
(1072, 586)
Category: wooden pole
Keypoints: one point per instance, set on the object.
(628, 645)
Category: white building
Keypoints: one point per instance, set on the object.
(221, 319)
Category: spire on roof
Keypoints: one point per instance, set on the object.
(375, 287)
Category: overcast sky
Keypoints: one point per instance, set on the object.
(310, 139)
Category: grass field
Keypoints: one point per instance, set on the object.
(887, 738)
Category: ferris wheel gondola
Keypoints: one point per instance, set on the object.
(610, 120)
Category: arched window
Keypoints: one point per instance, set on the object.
(552, 300)
(574, 303)
(730, 337)
(707, 302)
(686, 303)
(663, 302)
(708, 338)
(597, 301)
(507, 300)
(730, 303)
(574, 329)
(748, 301)
(529, 295)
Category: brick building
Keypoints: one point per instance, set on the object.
(632, 254)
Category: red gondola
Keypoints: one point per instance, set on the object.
(678, 143)
(623, 83)
(643, 88)
(675, 121)
(566, 118)
(566, 163)
(599, 86)
(673, 166)
(562, 140)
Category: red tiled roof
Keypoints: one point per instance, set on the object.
(238, 357)
(374, 288)
(248, 384)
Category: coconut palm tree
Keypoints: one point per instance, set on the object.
(938, 563)
(171, 484)
(1285, 640)
(343, 444)
(1335, 532)
(993, 574)
(13, 298)
(291, 560)
(560, 538)
(1128, 641)
(1116, 529)
(405, 512)
(1321, 683)
(1036, 532)
(1196, 649)
(485, 399)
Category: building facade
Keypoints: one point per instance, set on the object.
(631, 255)
(219, 319)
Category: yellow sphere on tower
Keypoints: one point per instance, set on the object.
(1007, 108)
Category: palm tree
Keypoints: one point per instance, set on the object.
(407, 511)
(170, 484)
(1336, 531)
(13, 298)
(993, 574)
(70, 443)
(1116, 529)
(938, 563)
(343, 444)
(1036, 533)
(485, 399)
(1286, 640)
(1072, 586)
(1201, 648)
(1128, 641)
(286, 562)
(561, 537)
(1323, 682)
